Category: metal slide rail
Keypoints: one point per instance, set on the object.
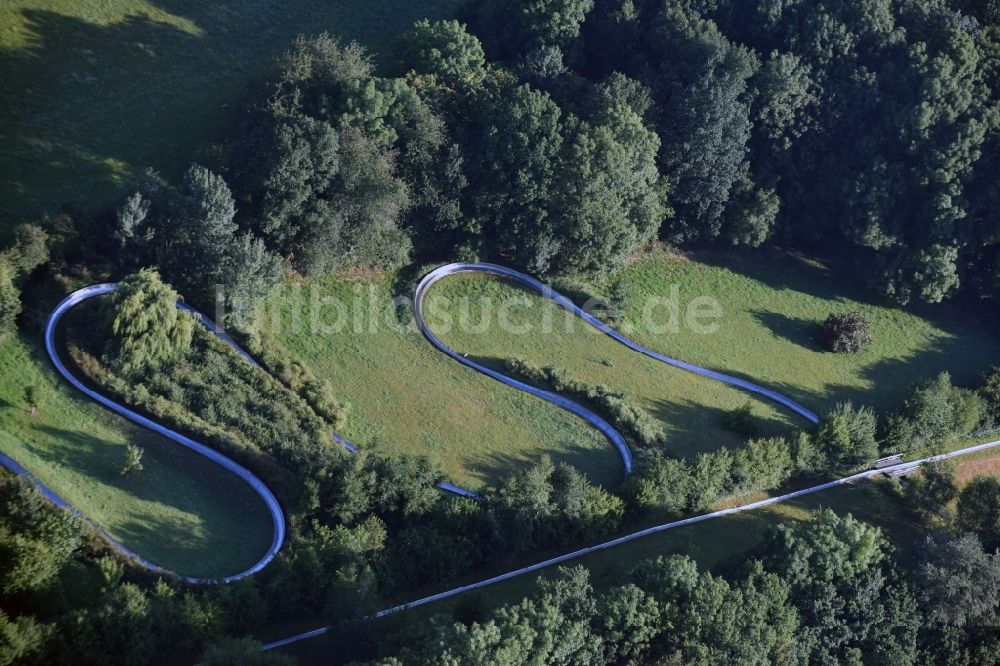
(548, 292)
(277, 516)
(264, 492)
(643, 533)
(587, 415)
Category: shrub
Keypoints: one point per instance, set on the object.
(665, 483)
(979, 510)
(934, 414)
(933, 490)
(761, 464)
(989, 390)
(847, 333)
(846, 436)
(147, 326)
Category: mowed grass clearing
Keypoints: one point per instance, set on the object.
(94, 91)
(493, 320)
(408, 397)
(771, 308)
(181, 511)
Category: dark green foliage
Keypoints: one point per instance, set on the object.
(317, 171)
(664, 483)
(979, 510)
(826, 592)
(442, 48)
(191, 236)
(700, 80)
(612, 196)
(678, 485)
(518, 138)
(935, 414)
(846, 436)
(21, 639)
(146, 326)
(840, 576)
(990, 392)
(847, 333)
(201, 228)
(548, 503)
(933, 491)
(741, 420)
(959, 582)
(244, 652)
(761, 464)
(29, 251)
(36, 540)
(10, 299)
(511, 28)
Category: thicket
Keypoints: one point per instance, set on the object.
(936, 414)
(828, 590)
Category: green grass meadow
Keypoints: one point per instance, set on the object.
(94, 91)
(181, 511)
(691, 408)
(771, 307)
(407, 397)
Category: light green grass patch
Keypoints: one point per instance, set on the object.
(772, 304)
(181, 511)
(408, 397)
(505, 321)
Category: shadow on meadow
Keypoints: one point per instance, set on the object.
(85, 106)
(602, 468)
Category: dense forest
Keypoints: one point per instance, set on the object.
(556, 136)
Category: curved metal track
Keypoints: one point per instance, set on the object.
(226, 463)
(587, 415)
(264, 492)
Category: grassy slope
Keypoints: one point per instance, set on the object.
(94, 91)
(180, 511)
(408, 397)
(771, 306)
(691, 407)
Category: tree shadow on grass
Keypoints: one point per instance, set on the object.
(84, 107)
(694, 428)
(602, 466)
(194, 529)
(797, 330)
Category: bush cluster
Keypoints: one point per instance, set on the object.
(847, 333)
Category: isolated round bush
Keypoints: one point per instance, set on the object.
(847, 333)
